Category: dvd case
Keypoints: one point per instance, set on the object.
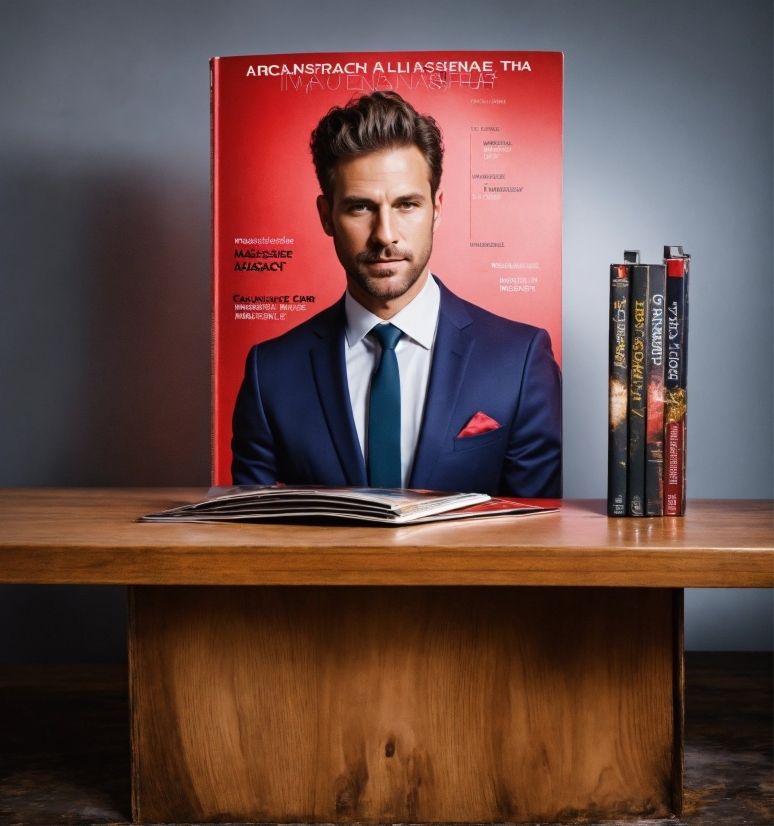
(654, 382)
(618, 389)
(675, 382)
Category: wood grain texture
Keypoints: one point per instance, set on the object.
(393, 705)
(89, 536)
(64, 750)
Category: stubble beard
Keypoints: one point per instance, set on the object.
(383, 286)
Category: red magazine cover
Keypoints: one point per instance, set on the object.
(498, 245)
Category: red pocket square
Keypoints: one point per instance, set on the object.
(480, 423)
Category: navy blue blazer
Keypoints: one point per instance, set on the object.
(293, 418)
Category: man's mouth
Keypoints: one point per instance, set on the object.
(384, 262)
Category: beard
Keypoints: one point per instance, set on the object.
(389, 283)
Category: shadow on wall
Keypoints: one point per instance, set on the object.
(63, 624)
(105, 363)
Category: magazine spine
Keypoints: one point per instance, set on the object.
(618, 389)
(654, 382)
(675, 385)
(637, 402)
(214, 332)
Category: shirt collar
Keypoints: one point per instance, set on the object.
(418, 319)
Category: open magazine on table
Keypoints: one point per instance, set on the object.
(386, 506)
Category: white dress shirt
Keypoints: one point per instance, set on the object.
(418, 322)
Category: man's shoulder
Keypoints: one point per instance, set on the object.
(485, 324)
(304, 335)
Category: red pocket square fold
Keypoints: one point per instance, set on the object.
(480, 423)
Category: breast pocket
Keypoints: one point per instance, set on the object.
(479, 440)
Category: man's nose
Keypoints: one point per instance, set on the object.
(384, 230)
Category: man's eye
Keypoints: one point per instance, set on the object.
(358, 209)
(407, 206)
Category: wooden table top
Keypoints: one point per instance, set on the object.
(89, 536)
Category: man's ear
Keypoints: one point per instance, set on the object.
(437, 209)
(324, 211)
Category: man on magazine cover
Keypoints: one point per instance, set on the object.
(400, 383)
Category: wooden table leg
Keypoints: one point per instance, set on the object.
(404, 704)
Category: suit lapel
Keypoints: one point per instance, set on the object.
(451, 353)
(330, 375)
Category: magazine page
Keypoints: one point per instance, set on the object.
(361, 505)
(389, 498)
(499, 506)
(244, 502)
(497, 246)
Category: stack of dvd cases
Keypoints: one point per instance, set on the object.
(647, 387)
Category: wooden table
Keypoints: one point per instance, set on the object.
(520, 669)
(65, 758)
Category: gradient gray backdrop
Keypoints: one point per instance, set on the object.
(104, 240)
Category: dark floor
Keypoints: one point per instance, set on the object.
(64, 743)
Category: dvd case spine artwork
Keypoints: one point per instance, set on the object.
(618, 399)
(654, 383)
(675, 379)
(637, 390)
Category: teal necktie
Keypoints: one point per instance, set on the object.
(384, 413)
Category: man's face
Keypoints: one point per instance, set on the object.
(382, 219)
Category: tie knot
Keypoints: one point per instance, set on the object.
(387, 335)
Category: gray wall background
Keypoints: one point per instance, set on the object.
(104, 240)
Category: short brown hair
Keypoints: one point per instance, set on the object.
(371, 123)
